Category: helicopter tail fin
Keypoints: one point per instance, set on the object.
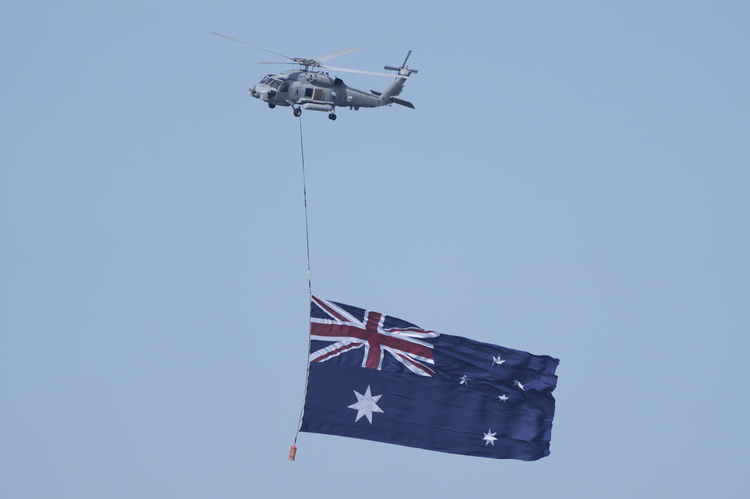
(389, 94)
(393, 89)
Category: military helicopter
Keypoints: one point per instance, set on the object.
(314, 90)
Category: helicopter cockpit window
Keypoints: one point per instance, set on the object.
(266, 79)
(275, 83)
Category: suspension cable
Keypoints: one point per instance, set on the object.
(293, 450)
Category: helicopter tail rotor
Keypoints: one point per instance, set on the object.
(403, 70)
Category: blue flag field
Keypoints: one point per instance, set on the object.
(376, 377)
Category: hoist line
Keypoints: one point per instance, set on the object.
(309, 287)
(304, 192)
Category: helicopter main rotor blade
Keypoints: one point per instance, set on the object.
(361, 72)
(254, 46)
(328, 57)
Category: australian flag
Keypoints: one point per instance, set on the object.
(376, 377)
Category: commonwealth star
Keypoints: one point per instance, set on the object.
(366, 404)
(489, 438)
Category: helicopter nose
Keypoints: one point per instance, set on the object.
(267, 95)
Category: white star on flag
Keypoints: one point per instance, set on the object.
(496, 361)
(489, 438)
(518, 384)
(366, 405)
(503, 397)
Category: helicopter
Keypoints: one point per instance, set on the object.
(310, 88)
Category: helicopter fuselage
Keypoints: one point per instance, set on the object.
(317, 91)
(306, 88)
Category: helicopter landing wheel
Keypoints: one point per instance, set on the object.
(332, 117)
(297, 112)
(271, 105)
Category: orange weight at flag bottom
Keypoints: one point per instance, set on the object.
(292, 452)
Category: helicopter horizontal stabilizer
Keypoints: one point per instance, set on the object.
(375, 92)
(402, 102)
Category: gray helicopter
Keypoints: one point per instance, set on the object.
(312, 89)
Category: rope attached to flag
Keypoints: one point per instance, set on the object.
(293, 449)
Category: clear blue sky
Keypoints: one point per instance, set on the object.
(573, 182)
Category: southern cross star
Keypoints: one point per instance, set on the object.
(489, 438)
(518, 384)
(503, 397)
(366, 405)
(496, 361)
(465, 380)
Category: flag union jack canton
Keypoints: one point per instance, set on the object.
(372, 334)
(376, 377)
